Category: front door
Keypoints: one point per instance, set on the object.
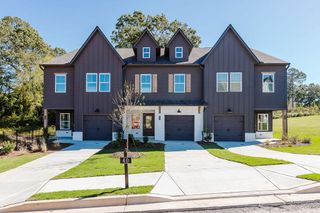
(148, 124)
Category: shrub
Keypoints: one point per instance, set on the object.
(145, 139)
(294, 140)
(119, 136)
(306, 141)
(8, 147)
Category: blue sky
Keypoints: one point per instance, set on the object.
(288, 29)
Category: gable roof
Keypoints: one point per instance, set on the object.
(183, 35)
(96, 30)
(230, 27)
(146, 31)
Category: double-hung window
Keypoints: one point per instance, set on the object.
(60, 83)
(263, 124)
(268, 82)
(235, 82)
(64, 121)
(91, 82)
(104, 82)
(145, 52)
(146, 85)
(222, 82)
(179, 52)
(179, 83)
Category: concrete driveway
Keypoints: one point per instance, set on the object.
(191, 170)
(19, 184)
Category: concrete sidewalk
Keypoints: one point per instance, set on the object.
(19, 184)
(102, 182)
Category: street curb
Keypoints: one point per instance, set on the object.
(84, 202)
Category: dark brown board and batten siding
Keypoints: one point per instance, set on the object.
(146, 41)
(162, 72)
(97, 57)
(230, 55)
(278, 99)
(54, 100)
(179, 41)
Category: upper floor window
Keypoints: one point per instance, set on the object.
(145, 52)
(179, 52)
(64, 121)
(235, 82)
(104, 82)
(60, 83)
(263, 124)
(146, 85)
(222, 82)
(179, 83)
(91, 82)
(268, 82)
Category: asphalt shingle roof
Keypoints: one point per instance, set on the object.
(196, 56)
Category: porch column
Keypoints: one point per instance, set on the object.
(284, 123)
(45, 118)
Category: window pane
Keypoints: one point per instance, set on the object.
(270, 87)
(145, 87)
(60, 87)
(91, 87)
(235, 87)
(104, 78)
(223, 87)
(145, 78)
(222, 77)
(91, 78)
(235, 77)
(148, 124)
(104, 87)
(179, 87)
(267, 78)
(60, 79)
(179, 78)
(135, 121)
(179, 55)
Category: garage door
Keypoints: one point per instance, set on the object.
(97, 127)
(228, 128)
(179, 127)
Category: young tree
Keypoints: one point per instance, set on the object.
(129, 27)
(123, 101)
(295, 79)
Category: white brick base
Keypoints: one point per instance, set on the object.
(264, 135)
(249, 137)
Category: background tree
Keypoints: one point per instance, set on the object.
(21, 51)
(308, 95)
(295, 79)
(129, 27)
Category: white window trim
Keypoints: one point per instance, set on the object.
(145, 83)
(55, 82)
(236, 82)
(148, 52)
(181, 52)
(108, 82)
(222, 82)
(184, 83)
(268, 73)
(263, 114)
(96, 89)
(68, 121)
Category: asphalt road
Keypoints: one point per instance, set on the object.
(313, 207)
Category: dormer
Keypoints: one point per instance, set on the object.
(146, 48)
(179, 47)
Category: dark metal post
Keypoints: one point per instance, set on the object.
(126, 171)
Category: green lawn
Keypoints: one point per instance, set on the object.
(103, 163)
(303, 127)
(220, 152)
(91, 193)
(8, 163)
(312, 176)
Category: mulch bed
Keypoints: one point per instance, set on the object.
(279, 143)
(130, 154)
(51, 148)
